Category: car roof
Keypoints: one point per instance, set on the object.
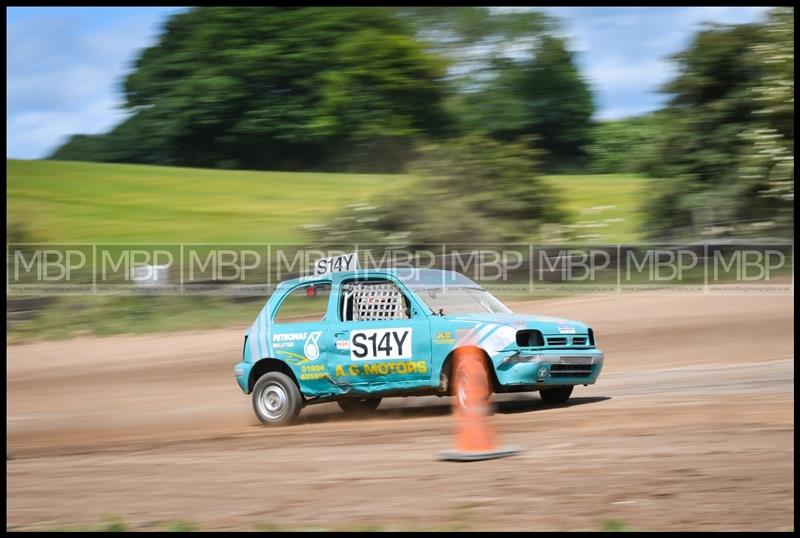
(410, 276)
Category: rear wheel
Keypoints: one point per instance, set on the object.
(276, 399)
(355, 406)
(556, 395)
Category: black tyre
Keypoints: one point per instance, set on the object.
(276, 399)
(556, 395)
(358, 406)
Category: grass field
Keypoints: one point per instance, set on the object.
(603, 208)
(92, 203)
(62, 202)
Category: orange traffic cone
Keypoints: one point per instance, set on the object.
(475, 438)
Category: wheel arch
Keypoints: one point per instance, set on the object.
(446, 370)
(266, 365)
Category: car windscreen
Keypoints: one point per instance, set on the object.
(456, 300)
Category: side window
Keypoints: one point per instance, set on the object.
(305, 303)
(373, 300)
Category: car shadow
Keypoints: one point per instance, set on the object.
(440, 407)
(536, 404)
(334, 414)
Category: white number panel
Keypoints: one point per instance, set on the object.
(370, 344)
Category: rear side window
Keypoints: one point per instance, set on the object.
(373, 300)
(304, 303)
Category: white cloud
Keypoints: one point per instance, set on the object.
(616, 74)
(721, 15)
(64, 77)
(32, 135)
(625, 52)
(616, 113)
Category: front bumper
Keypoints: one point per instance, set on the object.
(549, 368)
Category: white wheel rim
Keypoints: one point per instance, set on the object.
(273, 401)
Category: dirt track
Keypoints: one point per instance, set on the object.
(689, 427)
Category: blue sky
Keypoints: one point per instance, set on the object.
(65, 65)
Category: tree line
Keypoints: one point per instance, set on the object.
(366, 89)
(722, 149)
(341, 89)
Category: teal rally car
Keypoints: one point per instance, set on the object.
(358, 336)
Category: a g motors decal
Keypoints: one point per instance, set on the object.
(369, 344)
(383, 368)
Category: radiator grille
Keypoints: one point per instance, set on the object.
(534, 338)
(570, 370)
(564, 341)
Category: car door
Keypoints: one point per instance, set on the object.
(379, 339)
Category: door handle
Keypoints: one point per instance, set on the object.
(340, 333)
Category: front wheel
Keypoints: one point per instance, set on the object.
(357, 406)
(276, 399)
(556, 395)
